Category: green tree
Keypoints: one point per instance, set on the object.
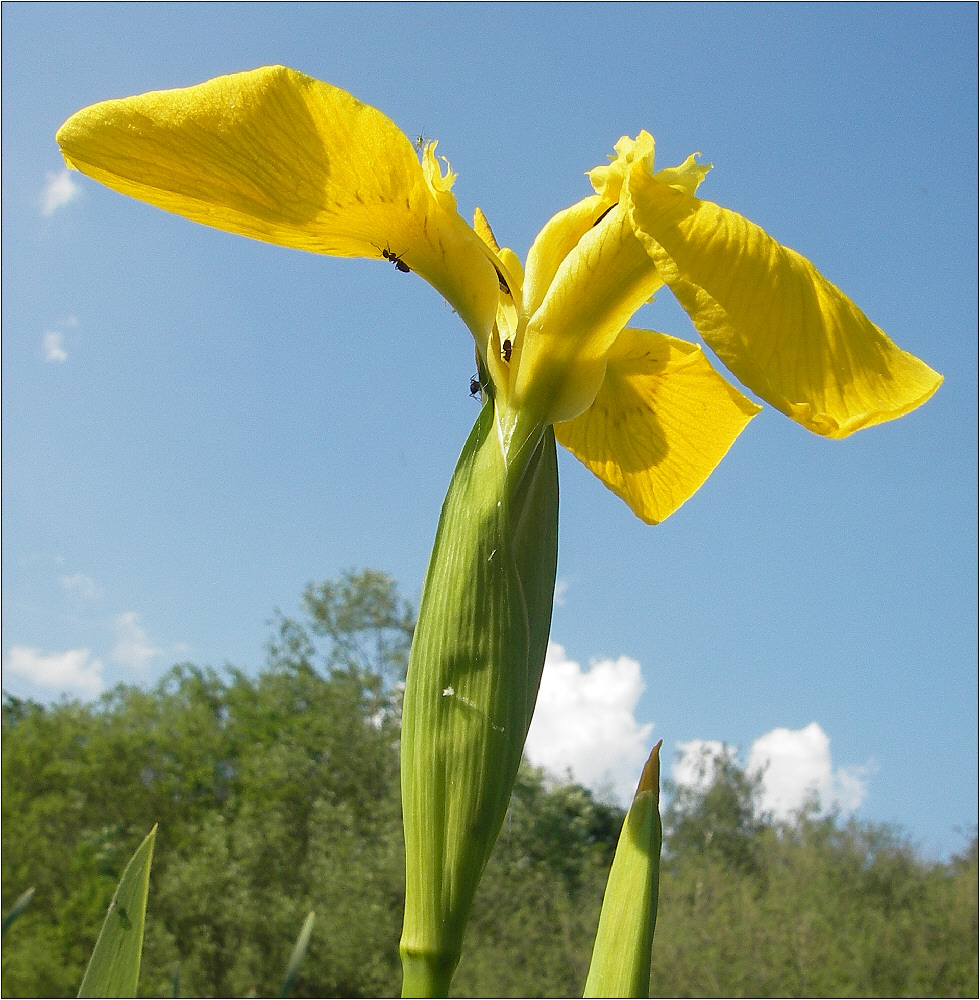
(278, 794)
(718, 814)
(275, 795)
(809, 907)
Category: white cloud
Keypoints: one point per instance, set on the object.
(561, 589)
(59, 190)
(584, 723)
(82, 586)
(798, 768)
(131, 648)
(54, 346)
(73, 671)
(694, 765)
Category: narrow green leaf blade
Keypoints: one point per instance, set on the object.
(299, 950)
(114, 968)
(621, 957)
(23, 901)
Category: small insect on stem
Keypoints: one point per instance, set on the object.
(475, 387)
(506, 347)
(395, 259)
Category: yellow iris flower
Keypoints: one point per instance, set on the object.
(278, 156)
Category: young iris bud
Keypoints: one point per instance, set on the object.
(473, 678)
(621, 957)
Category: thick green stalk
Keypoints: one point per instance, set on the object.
(473, 678)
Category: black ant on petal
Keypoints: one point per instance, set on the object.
(396, 259)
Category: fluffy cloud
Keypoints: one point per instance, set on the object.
(584, 723)
(73, 671)
(132, 648)
(59, 190)
(53, 341)
(694, 764)
(796, 769)
(53, 345)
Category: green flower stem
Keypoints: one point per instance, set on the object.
(427, 974)
(473, 678)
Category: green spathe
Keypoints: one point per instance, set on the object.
(473, 678)
(621, 957)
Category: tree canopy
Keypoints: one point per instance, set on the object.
(278, 794)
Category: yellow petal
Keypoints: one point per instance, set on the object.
(553, 244)
(687, 177)
(482, 229)
(662, 421)
(277, 156)
(598, 286)
(778, 325)
(608, 179)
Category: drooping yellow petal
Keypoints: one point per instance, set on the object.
(662, 421)
(778, 325)
(595, 291)
(277, 156)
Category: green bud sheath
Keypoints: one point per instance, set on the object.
(621, 957)
(473, 678)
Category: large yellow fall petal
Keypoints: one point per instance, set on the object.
(778, 325)
(278, 156)
(662, 421)
(596, 289)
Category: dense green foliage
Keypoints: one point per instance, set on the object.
(278, 794)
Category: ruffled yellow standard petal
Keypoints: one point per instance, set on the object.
(278, 156)
(662, 421)
(553, 244)
(597, 287)
(779, 326)
(608, 180)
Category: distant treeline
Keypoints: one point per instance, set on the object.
(279, 794)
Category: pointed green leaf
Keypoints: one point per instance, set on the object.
(114, 968)
(473, 678)
(299, 950)
(621, 957)
(23, 901)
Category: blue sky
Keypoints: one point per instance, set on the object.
(196, 425)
